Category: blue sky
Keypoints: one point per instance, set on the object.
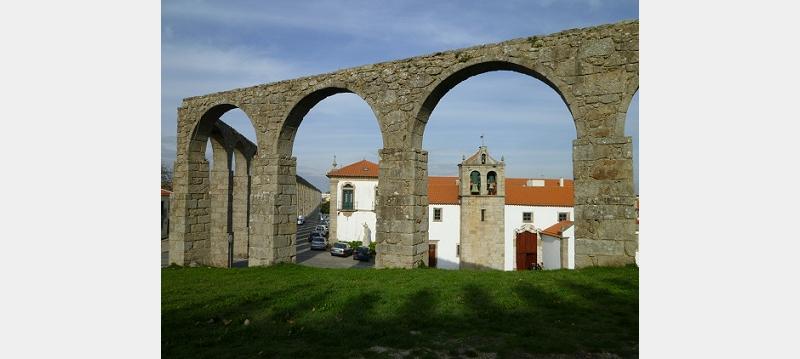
(214, 46)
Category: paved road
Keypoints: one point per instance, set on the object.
(324, 259)
(303, 231)
(305, 256)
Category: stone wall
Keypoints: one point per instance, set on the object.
(309, 197)
(482, 239)
(594, 70)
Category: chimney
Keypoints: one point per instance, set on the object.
(561, 182)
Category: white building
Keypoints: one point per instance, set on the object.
(537, 214)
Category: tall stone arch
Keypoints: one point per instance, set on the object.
(193, 210)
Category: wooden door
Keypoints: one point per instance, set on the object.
(526, 250)
(432, 255)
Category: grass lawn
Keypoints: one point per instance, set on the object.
(297, 311)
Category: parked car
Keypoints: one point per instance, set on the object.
(319, 243)
(316, 235)
(301, 220)
(341, 249)
(321, 228)
(362, 254)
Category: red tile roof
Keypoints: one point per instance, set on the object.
(359, 169)
(557, 229)
(550, 195)
(165, 192)
(444, 190)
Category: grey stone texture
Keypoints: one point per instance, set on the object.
(332, 210)
(482, 233)
(594, 70)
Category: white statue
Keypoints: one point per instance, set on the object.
(366, 236)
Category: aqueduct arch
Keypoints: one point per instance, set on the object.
(595, 70)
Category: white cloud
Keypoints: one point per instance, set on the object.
(364, 20)
(222, 68)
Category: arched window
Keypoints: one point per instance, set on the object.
(347, 197)
(475, 182)
(483, 158)
(491, 183)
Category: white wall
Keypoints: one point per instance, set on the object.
(351, 228)
(543, 217)
(364, 193)
(570, 238)
(447, 232)
(350, 225)
(551, 252)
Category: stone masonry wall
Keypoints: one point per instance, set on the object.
(482, 242)
(240, 209)
(594, 70)
(308, 197)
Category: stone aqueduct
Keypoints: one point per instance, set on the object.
(594, 70)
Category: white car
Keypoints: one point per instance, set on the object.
(321, 228)
(301, 219)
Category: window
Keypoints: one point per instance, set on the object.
(563, 216)
(437, 214)
(483, 215)
(347, 197)
(527, 217)
(458, 250)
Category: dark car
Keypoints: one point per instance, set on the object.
(319, 243)
(362, 254)
(341, 249)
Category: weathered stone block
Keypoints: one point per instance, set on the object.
(585, 246)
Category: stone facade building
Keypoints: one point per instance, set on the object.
(483, 199)
(477, 220)
(594, 70)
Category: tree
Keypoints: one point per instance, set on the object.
(324, 207)
(166, 177)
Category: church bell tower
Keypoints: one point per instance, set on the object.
(482, 192)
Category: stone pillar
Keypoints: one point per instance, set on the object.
(240, 232)
(261, 202)
(189, 216)
(273, 222)
(402, 225)
(564, 251)
(219, 204)
(333, 210)
(605, 218)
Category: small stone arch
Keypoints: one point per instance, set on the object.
(491, 183)
(460, 73)
(300, 108)
(475, 185)
(622, 110)
(206, 122)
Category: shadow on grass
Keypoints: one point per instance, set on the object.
(534, 314)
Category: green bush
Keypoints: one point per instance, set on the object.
(355, 244)
(372, 248)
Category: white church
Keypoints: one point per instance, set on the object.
(479, 219)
